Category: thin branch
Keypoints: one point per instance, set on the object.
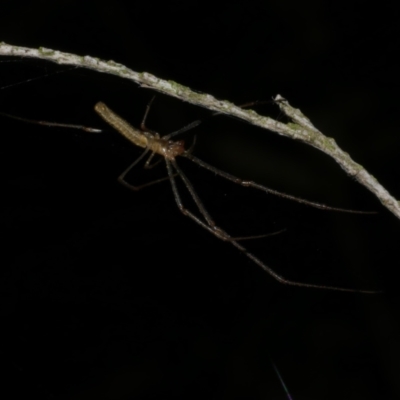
(300, 129)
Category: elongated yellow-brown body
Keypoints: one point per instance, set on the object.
(165, 148)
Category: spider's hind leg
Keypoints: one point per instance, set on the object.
(211, 227)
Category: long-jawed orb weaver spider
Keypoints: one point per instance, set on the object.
(154, 144)
(169, 149)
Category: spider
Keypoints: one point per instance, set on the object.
(154, 144)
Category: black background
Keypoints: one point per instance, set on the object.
(112, 294)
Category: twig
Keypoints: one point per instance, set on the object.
(300, 129)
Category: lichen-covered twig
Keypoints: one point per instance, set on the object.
(300, 129)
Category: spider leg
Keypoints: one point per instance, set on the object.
(221, 234)
(146, 113)
(178, 132)
(254, 185)
(122, 181)
(148, 161)
(240, 238)
(53, 124)
(211, 223)
(190, 149)
(122, 176)
(140, 187)
(148, 164)
(184, 129)
(143, 126)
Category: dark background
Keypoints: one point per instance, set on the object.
(112, 294)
